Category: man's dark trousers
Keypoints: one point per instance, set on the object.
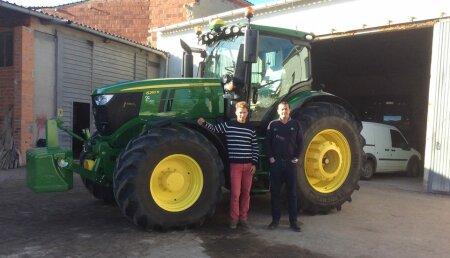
(283, 171)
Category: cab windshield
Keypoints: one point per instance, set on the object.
(222, 56)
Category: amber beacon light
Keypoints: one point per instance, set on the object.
(249, 12)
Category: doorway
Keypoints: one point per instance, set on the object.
(81, 120)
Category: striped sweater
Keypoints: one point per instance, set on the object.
(241, 141)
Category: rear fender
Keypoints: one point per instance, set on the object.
(298, 99)
(325, 97)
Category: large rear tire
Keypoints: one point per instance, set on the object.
(168, 178)
(332, 157)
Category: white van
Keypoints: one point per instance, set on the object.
(388, 151)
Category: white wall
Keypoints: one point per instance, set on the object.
(319, 17)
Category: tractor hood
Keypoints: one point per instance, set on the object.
(145, 85)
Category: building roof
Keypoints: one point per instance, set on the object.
(78, 26)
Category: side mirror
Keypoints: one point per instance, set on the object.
(201, 68)
(188, 60)
(251, 46)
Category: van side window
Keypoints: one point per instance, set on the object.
(397, 140)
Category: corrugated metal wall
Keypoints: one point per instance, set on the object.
(85, 65)
(74, 78)
(437, 150)
(113, 64)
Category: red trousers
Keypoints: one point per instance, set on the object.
(241, 183)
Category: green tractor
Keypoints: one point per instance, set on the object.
(164, 171)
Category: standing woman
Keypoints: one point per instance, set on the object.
(243, 156)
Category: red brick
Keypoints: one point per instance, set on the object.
(115, 16)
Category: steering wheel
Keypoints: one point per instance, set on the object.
(229, 69)
(270, 82)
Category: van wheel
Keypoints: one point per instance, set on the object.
(413, 168)
(368, 170)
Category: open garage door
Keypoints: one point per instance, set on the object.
(385, 75)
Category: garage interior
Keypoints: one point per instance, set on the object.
(385, 75)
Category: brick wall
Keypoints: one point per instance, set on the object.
(126, 18)
(6, 81)
(167, 12)
(24, 89)
(6, 91)
(133, 18)
(16, 87)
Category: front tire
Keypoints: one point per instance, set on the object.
(101, 192)
(332, 157)
(368, 170)
(413, 167)
(168, 178)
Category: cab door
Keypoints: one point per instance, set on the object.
(281, 63)
(383, 147)
(400, 151)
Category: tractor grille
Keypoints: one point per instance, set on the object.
(120, 109)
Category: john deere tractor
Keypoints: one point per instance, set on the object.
(150, 157)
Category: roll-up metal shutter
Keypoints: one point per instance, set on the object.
(74, 78)
(437, 150)
(85, 65)
(140, 66)
(112, 64)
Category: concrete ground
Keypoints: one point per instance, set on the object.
(389, 217)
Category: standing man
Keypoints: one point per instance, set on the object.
(284, 141)
(243, 154)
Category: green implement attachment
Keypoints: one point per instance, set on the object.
(44, 174)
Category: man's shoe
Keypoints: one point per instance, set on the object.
(233, 224)
(295, 228)
(244, 224)
(273, 225)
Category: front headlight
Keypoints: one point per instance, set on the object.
(102, 99)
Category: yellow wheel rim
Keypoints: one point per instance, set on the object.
(327, 161)
(176, 183)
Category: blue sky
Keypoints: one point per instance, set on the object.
(255, 2)
(28, 3)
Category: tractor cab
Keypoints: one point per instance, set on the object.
(257, 64)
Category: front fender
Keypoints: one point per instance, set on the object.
(214, 138)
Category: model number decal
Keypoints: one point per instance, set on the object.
(151, 92)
